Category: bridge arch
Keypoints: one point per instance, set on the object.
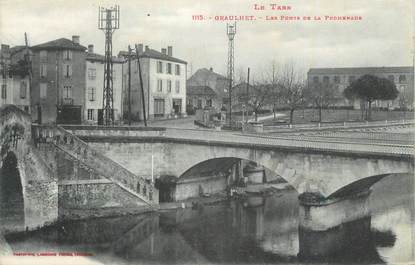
(38, 183)
(223, 166)
(363, 184)
(12, 199)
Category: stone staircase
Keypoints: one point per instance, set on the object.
(98, 165)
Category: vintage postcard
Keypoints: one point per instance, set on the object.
(207, 132)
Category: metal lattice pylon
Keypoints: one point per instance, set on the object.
(108, 21)
(231, 31)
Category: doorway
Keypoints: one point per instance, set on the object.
(177, 106)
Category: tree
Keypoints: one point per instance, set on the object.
(291, 90)
(370, 88)
(275, 87)
(321, 95)
(259, 96)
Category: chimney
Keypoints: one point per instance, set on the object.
(164, 51)
(75, 39)
(140, 48)
(147, 48)
(170, 50)
(90, 48)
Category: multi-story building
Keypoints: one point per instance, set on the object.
(58, 82)
(164, 84)
(217, 82)
(94, 80)
(14, 78)
(340, 78)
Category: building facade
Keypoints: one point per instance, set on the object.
(14, 83)
(58, 82)
(94, 84)
(340, 78)
(218, 82)
(200, 97)
(164, 84)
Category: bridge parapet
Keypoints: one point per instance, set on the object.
(136, 185)
(100, 131)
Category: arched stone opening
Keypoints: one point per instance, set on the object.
(11, 193)
(219, 174)
(361, 185)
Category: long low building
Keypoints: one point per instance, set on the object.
(340, 78)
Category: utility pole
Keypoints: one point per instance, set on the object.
(108, 21)
(230, 31)
(129, 85)
(141, 85)
(4, 75)
(247, 94)
(28, 63)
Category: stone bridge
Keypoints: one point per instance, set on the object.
(328, 168)
(47, 173)
(65, 172)
(28, 190)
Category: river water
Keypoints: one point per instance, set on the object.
(251, 231)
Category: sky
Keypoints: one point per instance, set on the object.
(383, 37)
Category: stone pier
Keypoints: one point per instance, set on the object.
(325, 224)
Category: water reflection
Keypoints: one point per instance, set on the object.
(251, 230)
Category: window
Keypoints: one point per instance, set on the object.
(402, 78)
(67, 55)
(43, 56)
(91, 93)
(189, 101)
(43, 90)
(158, 107)
(199, 103)
(168, 85)
(4, 91)
(169, 68)
(67, 92)
(23, 88)
(209, 102)
(337, 79)
(391, 78)
(352, 78)
(43, 70)
(159, 67)
(67, 70)
(90, 114)
(92, 73)
(315, 79)
(326, 79)
(159, 85)
(177, 69)
(177, 86)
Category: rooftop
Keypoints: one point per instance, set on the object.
(150, 53)
(200, 90)
(91, 56)
(205, 71)
(59, 44)
(362, 70)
